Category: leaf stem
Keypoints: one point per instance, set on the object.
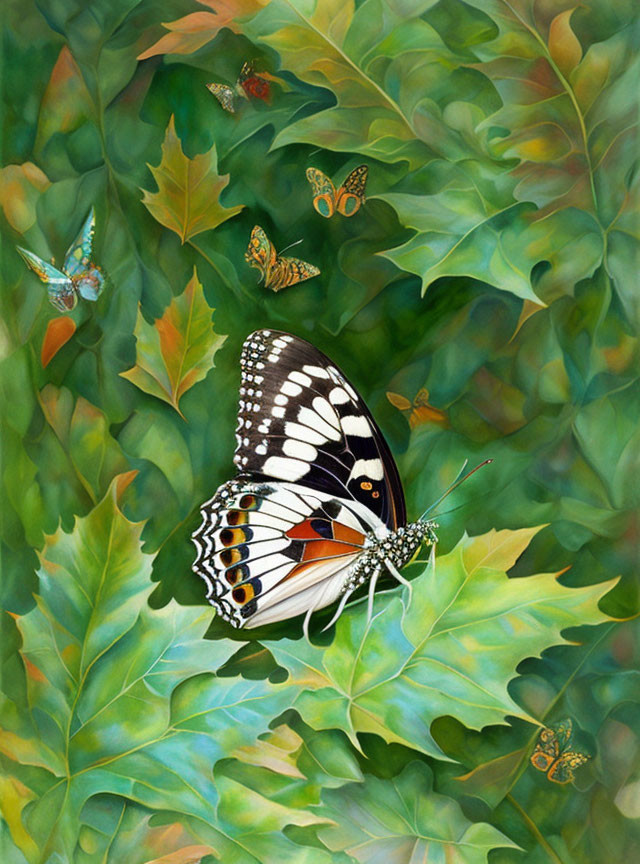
(533, 828)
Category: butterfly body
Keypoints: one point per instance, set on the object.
(277, 271)
(554, 753)
(347, 199)
(317, 509)
(79, 277)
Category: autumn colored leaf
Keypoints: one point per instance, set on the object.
(191, 32)
(20, 188)
(187, 200)
(177, 350)
(59, 331)
(402, 819)
(376, 674)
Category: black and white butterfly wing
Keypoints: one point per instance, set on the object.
(316, 478)
(301, 421)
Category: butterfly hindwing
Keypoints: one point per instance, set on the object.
(300, 420)
(60, 289)
(253, 84)
(350, 196)
(225, 96)
(277, 272)
(270, 550)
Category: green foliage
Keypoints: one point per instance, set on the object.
(494, 265)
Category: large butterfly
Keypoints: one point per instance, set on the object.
(554, 753)
(248, 84)
(79, 277)
(317, 508)
(346, 200)
(278, 272)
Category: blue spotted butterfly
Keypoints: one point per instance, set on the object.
(79, 277)
(317, 508)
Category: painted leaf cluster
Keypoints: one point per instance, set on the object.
(484, 302)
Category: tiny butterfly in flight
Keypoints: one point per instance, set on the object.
(79, 277)
(278, 272)
(346, 200)
(248, 84)
(554, 753)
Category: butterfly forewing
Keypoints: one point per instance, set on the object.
(324, 193)
(225, 96)
(60, 289)
(301, 421)
(88, 278)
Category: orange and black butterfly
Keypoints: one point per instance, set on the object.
(554, 753)
(277, 272)
(346, 200)
(248, 84)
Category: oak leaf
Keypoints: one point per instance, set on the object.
(188, 196)
(177, 350)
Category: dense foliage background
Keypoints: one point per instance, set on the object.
(494, 265)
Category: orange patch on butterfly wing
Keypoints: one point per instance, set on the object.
(347, 535)
(348, 204)
(541, 760)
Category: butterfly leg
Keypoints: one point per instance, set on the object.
(340, 609)
(397, 575)
(372, 588)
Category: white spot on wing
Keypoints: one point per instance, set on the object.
(315, 371)
(299, 450)
(353, 425)
(285, 469)
(371, 468)
(314, 421)
(338, 396)
(303, 433)
(300, 378)
(324, 409)
(291, 389)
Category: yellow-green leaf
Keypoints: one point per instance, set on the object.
(177, 350)
(448, 647)
(188, 196)
(564, 46)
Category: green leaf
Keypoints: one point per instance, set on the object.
(402, 820)
(450, 646)
(151, 731)
(380, 62)
(177, 350)
(187, 200)
(83, 432)
(467, 226)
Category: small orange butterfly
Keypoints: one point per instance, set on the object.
(421, 411)
(553, 753)
(346, 200)
(277, 272)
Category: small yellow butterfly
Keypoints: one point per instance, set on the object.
(346, 200)
(277, 272)
(553, 753)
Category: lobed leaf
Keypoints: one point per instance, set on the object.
(187, 200)
(449, 646)
(177, 350)
(402, 819)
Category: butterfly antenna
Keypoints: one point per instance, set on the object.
(290, 245)
(459, 479)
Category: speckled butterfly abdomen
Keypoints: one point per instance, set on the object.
(317, 508)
